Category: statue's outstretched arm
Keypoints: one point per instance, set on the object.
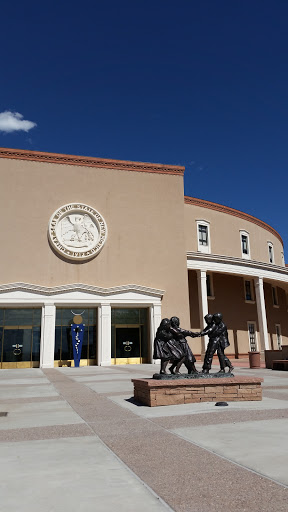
(208, 330)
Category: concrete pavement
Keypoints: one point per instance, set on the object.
(73, 439)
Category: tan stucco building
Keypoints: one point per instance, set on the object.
(118, 243)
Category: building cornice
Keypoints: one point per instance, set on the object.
(231, 211)
(78, 287)
(231, 265)
(86, 161)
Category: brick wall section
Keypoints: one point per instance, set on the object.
(154, 392)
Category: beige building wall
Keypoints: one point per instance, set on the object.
(146, 241)
(225, 233)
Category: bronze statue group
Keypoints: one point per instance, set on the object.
(170, 345)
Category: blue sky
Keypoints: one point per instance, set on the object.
(200, 83)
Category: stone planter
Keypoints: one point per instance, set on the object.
(254, 359)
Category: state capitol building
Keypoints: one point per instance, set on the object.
(119, 244)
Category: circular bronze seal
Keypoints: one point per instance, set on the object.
(77, 231)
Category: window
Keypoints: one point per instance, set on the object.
(278, 336)
(245, 248)
(249, 291)
(252, 336)
(270, 252)
(275, 297)
(209, 286)
(203, 236)
(245, 245)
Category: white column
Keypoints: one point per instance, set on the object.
(203, 305)
(155, 320)
(47, 343)
(104, 334)
(261, 311)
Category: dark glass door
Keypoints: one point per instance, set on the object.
(18, 349)
(128, 344)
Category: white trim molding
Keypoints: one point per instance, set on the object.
(47, 344)
(79, 287)
(261, 312)
(238, 266)
(104, 334)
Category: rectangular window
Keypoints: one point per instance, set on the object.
(252, 336)
(274, 296)
(203, 235)
(248, 290)
(278, 336)
(270, 253)
(209, 286)
(245, 248)
(245, 244)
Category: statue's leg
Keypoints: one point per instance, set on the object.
(190, 366)
(221, 357)
(211, 349)
(179, 364)
(228, 363)
(163, 366)
(173, 366)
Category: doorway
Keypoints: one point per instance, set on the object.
(129, 336)
(128, 344)
(20, 334)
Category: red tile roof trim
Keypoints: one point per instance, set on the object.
(87, 161)
(231, 211)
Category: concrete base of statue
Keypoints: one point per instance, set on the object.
(157, 392)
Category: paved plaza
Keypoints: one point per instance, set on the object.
(73, 439)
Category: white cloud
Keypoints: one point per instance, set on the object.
(13, 121)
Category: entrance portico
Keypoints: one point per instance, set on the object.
(77, 298)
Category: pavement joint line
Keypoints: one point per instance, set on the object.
(229, 460)
(31, 400)
(91, 433)
(274, 387)
(136, 476)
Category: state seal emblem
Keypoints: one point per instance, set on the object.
(77, 231)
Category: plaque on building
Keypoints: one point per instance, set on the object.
(77, 231)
